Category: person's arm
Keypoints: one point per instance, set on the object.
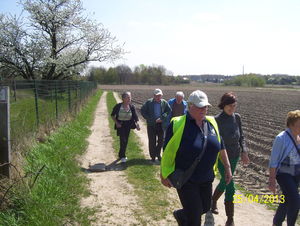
(244, 155)
(224, 158)
(114, 113)
(169, 133)
(245, 158)
(274, 161)
(135, 118)
(166, 110)
(170, 115)
(116, 121)
(138, 125)
(166, 182)
(185, 109)
(145, 110)
(272, 177)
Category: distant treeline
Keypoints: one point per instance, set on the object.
(122, 74)
(159, 75)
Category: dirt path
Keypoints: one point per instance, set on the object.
(115, 198)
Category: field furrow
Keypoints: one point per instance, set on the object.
(263, 114)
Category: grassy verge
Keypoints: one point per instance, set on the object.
(52, 188)
(142, 175)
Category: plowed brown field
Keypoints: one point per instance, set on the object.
(263, 112)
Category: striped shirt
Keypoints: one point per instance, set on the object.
(124, 115)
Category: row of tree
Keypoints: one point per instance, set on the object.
(250, 80)
(142, 74)
(261, 80)
(158, 75)
(282, 79)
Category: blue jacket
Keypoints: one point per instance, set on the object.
(171, 103)
(281, 148)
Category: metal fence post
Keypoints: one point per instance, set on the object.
(4, 131)
(80, 92)
(36, 103)
(69, 95)
(15, 90)
(56, 100)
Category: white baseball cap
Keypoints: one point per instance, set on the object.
(158, 92)
(198, 98)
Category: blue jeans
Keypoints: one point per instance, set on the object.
(290, 208)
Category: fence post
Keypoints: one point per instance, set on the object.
(36, 103)
(56, 101)
(80, 92)
(4, 131)
(69, 95)
(15, 90)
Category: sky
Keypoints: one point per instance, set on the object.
(194, 37)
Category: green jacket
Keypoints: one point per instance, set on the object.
(169, 154)
(148, 112)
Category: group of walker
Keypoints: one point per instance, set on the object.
(186, 127)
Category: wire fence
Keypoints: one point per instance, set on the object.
(38, 106)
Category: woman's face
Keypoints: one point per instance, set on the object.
(127, 99)
(198, 113)
(296, 127)
(230, 108)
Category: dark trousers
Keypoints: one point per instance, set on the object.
(123, 132)
(195, 200)
(290, 207)
(155, 138)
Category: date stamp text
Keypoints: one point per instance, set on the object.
(259, 198)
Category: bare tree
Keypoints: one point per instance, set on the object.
(57, 43)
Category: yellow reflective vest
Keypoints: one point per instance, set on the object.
(169, 154)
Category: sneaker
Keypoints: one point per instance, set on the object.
(124, 159)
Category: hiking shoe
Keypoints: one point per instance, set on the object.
(152, 160)
(159, 158)
(124, 159)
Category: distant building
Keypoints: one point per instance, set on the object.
(206, 78)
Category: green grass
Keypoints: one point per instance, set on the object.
(141, 174)
(23, 113)
(54, 182)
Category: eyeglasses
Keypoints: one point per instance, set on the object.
(205, 107)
